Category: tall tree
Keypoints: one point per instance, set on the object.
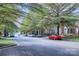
(58, 14)
(8, 15)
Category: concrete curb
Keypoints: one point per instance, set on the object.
(6, 47)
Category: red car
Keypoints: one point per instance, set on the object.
(55, 37)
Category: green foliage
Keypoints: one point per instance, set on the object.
(43, 16)
(8, 16)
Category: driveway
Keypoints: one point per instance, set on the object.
(30, 46)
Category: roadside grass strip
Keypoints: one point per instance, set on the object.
(6, 43)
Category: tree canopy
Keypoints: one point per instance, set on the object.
(51, 14)
(9, 13)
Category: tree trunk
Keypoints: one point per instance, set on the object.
(5, 33)
(58, 26)
(42, 31)
(62, 29)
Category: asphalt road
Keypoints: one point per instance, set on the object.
(28, 46)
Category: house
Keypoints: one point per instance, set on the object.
(69, 31)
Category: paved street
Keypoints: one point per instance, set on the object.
(28, 46)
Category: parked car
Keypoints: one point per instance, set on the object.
(31, 35)
(55, 37)
(39, 35)
(12, 36)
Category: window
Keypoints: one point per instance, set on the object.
(71, 30)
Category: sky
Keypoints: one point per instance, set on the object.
(76, 12)
(20, 19)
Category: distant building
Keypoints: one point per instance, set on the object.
(69, 31)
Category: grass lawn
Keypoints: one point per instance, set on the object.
(6, 42)
(71, 38)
